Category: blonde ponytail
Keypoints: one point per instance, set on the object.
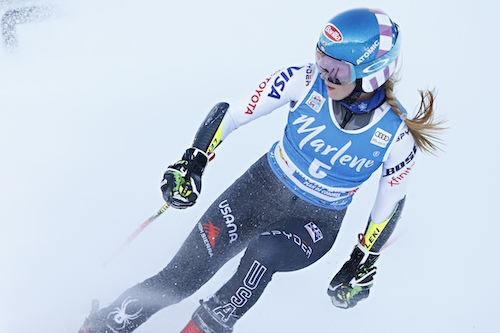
(424, 129)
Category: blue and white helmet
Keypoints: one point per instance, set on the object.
(359, 44)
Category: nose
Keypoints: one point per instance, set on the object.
(325, 78)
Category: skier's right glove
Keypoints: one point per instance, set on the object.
(181, 184)
(354, 280)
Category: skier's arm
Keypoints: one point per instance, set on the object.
(181, 184)
(284, 86)
(209, 135)
(354, 280)
(390, 199)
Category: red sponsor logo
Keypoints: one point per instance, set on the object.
(212, 232)
(396, 179)
(332, 33)
(256, 96)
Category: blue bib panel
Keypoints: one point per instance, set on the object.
(322, 163)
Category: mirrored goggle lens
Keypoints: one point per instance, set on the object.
(336, 71)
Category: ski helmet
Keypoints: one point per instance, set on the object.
(359, 44)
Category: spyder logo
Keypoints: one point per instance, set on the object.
(121, 317)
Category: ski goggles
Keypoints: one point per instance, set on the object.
(336, 71)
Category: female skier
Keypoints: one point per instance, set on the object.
(286, 209)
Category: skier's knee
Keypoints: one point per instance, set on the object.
(281, 249)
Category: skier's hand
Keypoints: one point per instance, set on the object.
(354, 280)
(181, 184)
(346, 295)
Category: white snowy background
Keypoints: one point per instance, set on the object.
(96, 102)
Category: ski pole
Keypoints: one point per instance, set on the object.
(137, 231)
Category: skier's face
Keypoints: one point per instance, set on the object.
(338, 92)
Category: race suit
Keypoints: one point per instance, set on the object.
(286, 210)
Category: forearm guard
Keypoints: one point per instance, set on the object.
(208, 136)
(377, 234)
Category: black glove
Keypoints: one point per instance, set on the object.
(181, 184)
(354, 280)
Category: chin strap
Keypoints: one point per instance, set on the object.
(353, 97)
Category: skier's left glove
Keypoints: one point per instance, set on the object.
(181, 184)
(354, 280)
